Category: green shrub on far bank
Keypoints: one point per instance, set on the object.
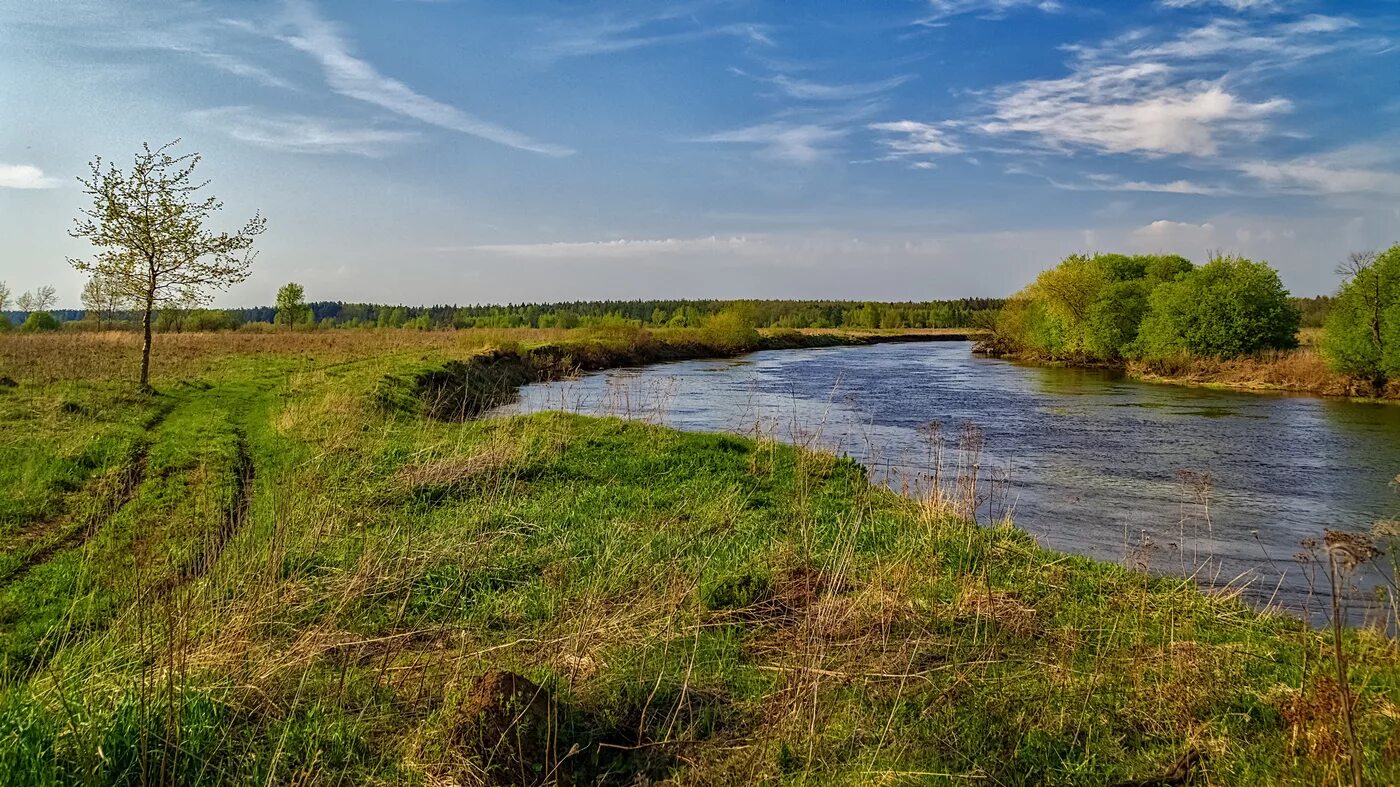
(1228, 307)
(730, 331)
(1112, 307)
(1086, 309)
(40, 322)
(1362, 334)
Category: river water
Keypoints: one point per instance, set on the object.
(1220, 485)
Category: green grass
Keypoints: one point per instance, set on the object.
(702, 608)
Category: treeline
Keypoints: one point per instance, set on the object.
(958, 313)
(1115, 307)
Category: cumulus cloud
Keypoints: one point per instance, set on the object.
(351, 76)
(25, 176)
(299, 133)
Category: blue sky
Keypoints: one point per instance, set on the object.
(471, 151)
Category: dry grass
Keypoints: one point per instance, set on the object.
(1303, 370)
(116, 355)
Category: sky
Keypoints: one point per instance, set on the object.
(466, 151)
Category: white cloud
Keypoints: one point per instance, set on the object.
(612, 249)
(1115, 184)
(1132, 108)
(1156, 94)
(663, 27)
(1162, 227)
(942, 9)
(802, 143)
(910, 138)
(298, 133)
(1320, 176)
(350, 76)
(807, 90)
(25, 176)
(1234, 5)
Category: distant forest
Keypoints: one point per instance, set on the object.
(957, 313)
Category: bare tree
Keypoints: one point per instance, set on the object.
(148, 225)
(102, 298)
(41, 299)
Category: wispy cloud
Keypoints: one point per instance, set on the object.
(1099, 182)
(800, 143)
(809, 90)
(662, 27)
(298, 133)
(940, 10)
(1158, 93)
(611, 249)
(909, 139)
(1234, 5)
(182, 29)
(1132, 108)
(356, 78)
(1320, 176)
(25, 176)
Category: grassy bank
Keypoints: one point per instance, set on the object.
(263, 574)
(1301, 370)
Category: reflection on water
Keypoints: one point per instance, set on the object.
(1221, 485)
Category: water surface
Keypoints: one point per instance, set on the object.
(1221, 485)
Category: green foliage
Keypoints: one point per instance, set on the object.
(291, 305)
(1109, 307)
(730, 331)
(1362, 334)
(39, 322)
(1228, 307)
(153, 246)
(1086, 308)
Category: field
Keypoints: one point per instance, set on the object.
(304, 560)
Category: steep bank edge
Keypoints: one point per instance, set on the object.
(458, 390)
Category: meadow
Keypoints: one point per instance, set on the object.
(304, 560)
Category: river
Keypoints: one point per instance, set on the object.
(1220, 485)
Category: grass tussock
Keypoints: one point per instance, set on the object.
(304, 587)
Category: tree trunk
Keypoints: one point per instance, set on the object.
(146, 344)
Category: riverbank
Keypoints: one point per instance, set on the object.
(1302, 370)
(263, 575)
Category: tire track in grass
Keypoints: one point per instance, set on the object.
(111, 502)
(107, 503)
(234, 520)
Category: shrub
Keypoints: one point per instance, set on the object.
(39, 322)
(1085, 308)
(1228, 307)
(1361, 336)
(730, 331)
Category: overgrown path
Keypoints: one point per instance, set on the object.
(156, 520)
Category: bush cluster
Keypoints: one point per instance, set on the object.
(1111, 307)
